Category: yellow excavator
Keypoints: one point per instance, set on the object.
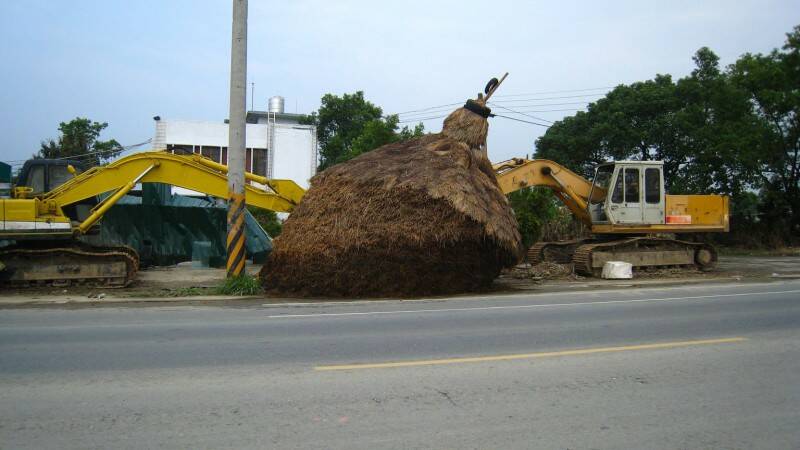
(630, 216)
(42, 223)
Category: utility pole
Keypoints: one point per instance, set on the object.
(236, 140)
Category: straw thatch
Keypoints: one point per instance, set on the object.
(424, 216)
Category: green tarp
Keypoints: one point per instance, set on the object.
(168, 229)
(5, 180)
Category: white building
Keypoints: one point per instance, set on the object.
(278, 146)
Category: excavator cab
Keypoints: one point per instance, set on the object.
(44, 175)
(634, 193)
(41, 175)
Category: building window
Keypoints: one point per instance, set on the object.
(260, 161)
(211, 152)
(180, 149)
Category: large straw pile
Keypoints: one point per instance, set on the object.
(424, 216)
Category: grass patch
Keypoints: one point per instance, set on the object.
(187, 292)
(241, 285)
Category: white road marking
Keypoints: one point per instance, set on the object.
(690, 284)
(546, 305)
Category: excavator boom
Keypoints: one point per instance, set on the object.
(572, 189)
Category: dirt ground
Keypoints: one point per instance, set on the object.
(182, 280)
(185, 281)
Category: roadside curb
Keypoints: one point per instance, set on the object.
(21, 301)
(556, 288)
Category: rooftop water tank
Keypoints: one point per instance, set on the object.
(276, 104)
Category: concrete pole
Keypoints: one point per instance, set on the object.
(236, 141)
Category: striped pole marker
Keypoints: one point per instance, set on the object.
(236, 247)
(236, 140)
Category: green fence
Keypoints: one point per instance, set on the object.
(168, 229)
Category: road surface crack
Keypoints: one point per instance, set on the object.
(447, 396)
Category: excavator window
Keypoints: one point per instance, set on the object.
(58, 175)
(631, 185)
(652, 185)
(616, 197)
(602, 179)
(36, 179)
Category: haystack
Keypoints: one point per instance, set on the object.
(419, 217)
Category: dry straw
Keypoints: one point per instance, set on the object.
(424, 216)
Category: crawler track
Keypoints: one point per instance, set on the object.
(643, 252)
(72, 264)
(558, 252)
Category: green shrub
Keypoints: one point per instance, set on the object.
(241, 285)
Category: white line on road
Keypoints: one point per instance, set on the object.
(546, 305)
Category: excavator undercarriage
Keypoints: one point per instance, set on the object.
(589, 255)
(68, 264)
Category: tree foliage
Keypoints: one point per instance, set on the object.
(771, 84)
(732, 130)
(350, 125)
(79, 138)
(533, 207)
(268, 220)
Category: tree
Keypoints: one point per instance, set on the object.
(731, 131)
(79, 138)
(533, 207)
(268, 220)
(771, 86)
(701, 127)
(631, 122)
(349, 125)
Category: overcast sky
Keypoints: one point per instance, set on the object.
(123, 62)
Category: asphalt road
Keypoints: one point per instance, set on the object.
(707, 366)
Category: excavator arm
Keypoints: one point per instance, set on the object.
(191, 172)
(572, 189)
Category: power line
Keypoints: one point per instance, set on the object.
(422, 119)
(555, 92)
(407, 117)
(520, 120)
(552, 104)
(495, 115)
(533, 105)
(532, 99)
(88, 155)
(521, 111)
(428, 113)
(511, 100)
(524, 114)
(524, 103)
(429, 108)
